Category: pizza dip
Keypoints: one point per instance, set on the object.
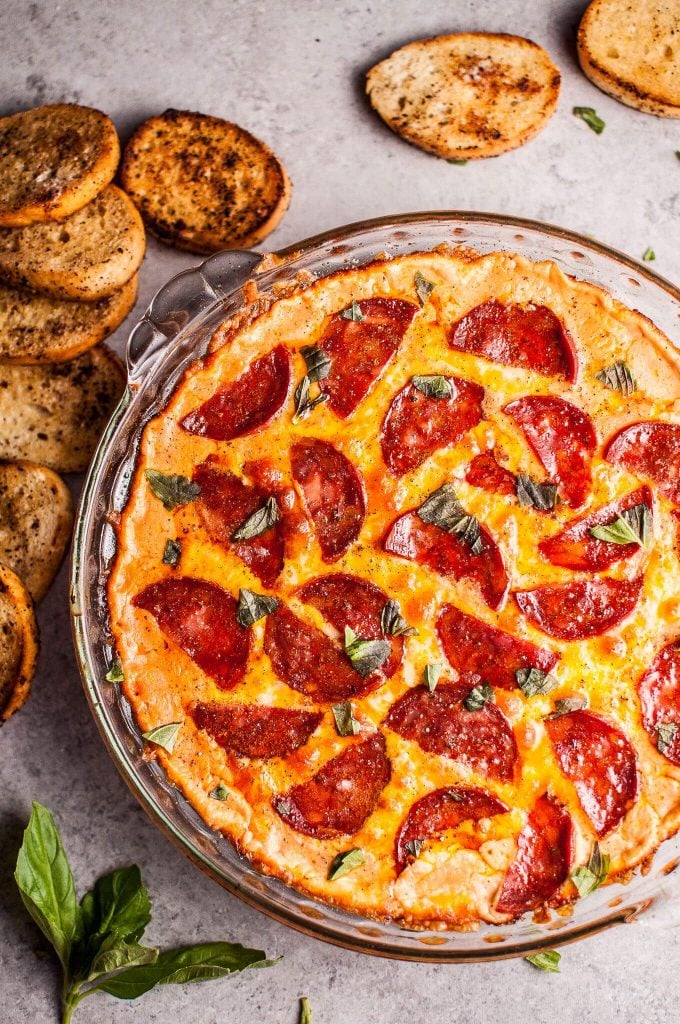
(396, 592)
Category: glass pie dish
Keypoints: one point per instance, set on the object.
(176, 330)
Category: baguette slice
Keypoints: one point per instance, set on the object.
(39, 329)
(631, 50)
(53, 161)
(86, 257)
(19, 646)
(204, 184)
(55, 413)
(466, 96)
(36, 517)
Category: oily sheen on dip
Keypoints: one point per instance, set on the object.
(463, 810)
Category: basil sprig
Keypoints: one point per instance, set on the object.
(366, 655)
(565, 706)
(259, 522)
(164, 736)
(393, 623)
(345, 862)
(345, 722)
(305, 1011)
(618, 377)
(541, 496)
(443, 509)
(172, 490)
(353, 312)
(547, 960)
(633, 526)
(252, 607)
(665, 735)
(590, 876)
(478, 697)
(172, 552)
(588, 115)
(433, 385)
(533, 681)
(97, 940)
(424, 288)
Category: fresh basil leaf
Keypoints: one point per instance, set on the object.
(565, 706)
(172, 490)
(172, 552)
(433, 385)
(414, 847)
(665, 735)
(541, 496)
(648, 255)
(317, 361)
(305, 1011)
(345, 862)
(220, 792)
(115, 955)
(431, 676)
(424, 288)
(252, 607)
(164, 736)
(633, 526)
(478, 697)
(588, 115)
(353, 312)
(366, 655)
(590, 876)
(202, 962)
(548, 960)
(259, 522)
(393, 623)
(118, 906)
(345, 722)
(115, 673)
(303, 403)
(618, 377)
(46, 885)
(533, 681)
(443, 509)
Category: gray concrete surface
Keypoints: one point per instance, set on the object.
(292, 73)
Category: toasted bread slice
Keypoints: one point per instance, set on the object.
(19, 643)
(36, 517)
(631, 50)
(54, 413)
(467, 96)
(204, 184)
(39, 329)
(53, 160)
(86, 257)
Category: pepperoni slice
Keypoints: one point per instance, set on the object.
(342, 794)
(600, 762)
(584, 608)
(562, 437)
(529, 336)
(224, 504)
(650, 449)
(449, 555)
(576, 548)
(333, 492)
(416, 426)
(544, 852)
(200, 618)
(346, 600)
(485, 472)
(659, 691)
(307, 660)
(440, 723)
(256, 730)
(440, 810)
(361, 349)
(476, 650)
(244, 405)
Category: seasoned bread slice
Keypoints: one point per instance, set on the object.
(54, 413)
(631, 50)
(36, 517)
(204, 184)
(86, 257)
(19, 643)
(466, 96)
(39, 329)
(53, 160)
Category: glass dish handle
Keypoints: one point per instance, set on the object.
(179, 302)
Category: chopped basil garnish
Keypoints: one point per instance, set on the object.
(565, 707)
(172, 552)
(172, 490)
(303, 403)
(431, 676)
(634, 526)
(220, 792)
(414, 847)
(393, 623)
(548, 960)
(115, 673)
(433, 385)
(164, 736)
(541, 496)
(259, 522)
(618, 377)
(588, 115)
(478, 696)
(444, 510)
(353, 312)
(648, 255)
(533, 681)
(305, 1011)
(318, 363)
(590, 876)
(252, 607)
(424, 288)
(366, 655)
(345, 722)
(345, 862)
(665, 735)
